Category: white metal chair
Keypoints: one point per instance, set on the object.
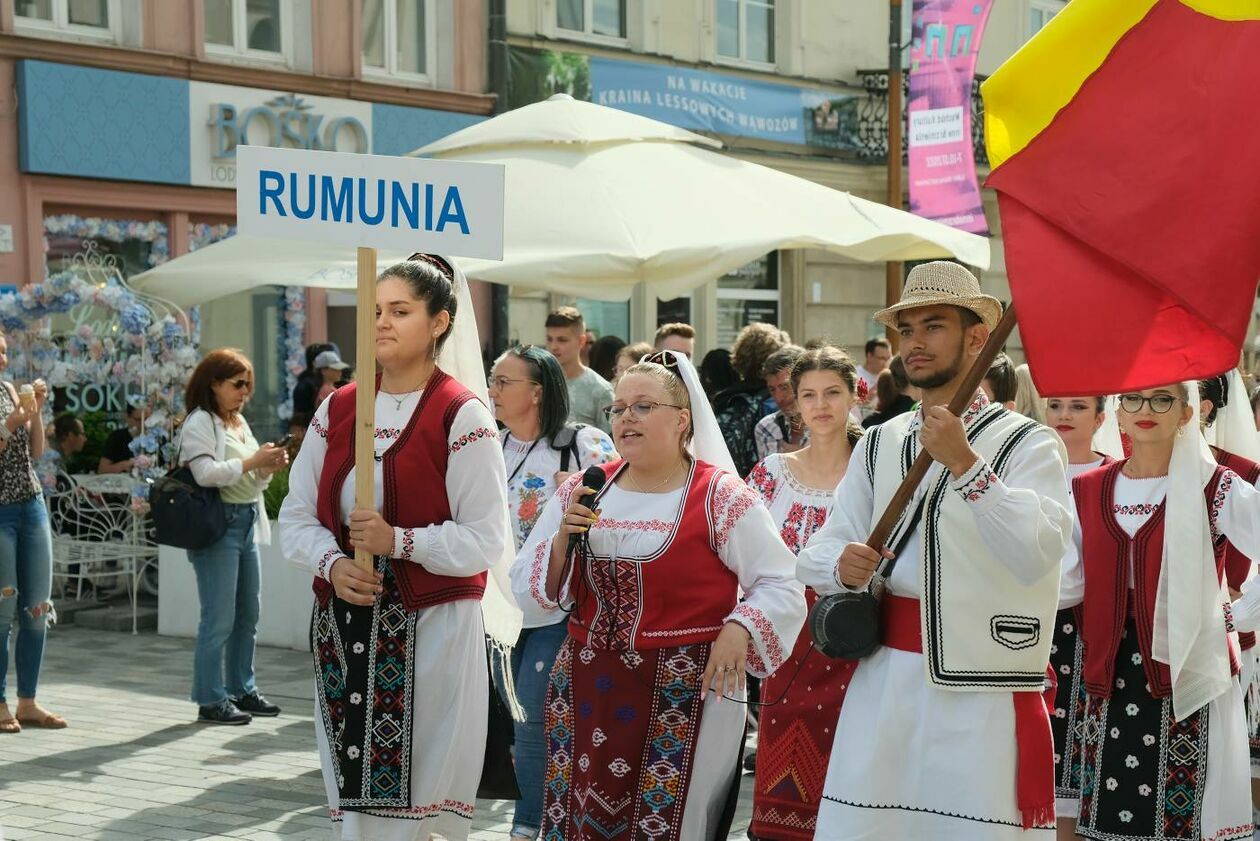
(97, 538)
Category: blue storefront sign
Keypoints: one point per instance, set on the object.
(714, 102)
(111, 124)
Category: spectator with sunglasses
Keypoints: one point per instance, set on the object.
(541, 450)
(217, 445)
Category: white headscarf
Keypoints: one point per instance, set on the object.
(707, 443)
(1107, 438)
(1189, 634)
(1235, 428)
(460, 357)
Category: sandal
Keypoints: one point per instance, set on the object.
(47, 721)
(10, 725)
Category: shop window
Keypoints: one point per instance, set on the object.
(745, 30)
(399, 37)
(673, 311)
(255, 29)
(91, 19)
(601, 18)
(1040, 12)
(746, 295)
(605, 318)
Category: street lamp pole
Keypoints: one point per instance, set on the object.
(893, 278)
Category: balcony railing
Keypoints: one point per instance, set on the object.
(872, 117)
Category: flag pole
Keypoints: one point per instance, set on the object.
(365, 395)
(961, 400)
(893, 276)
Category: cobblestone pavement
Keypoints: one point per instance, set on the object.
(133, 767)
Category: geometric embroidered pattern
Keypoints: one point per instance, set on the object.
(363, 656)
(621, 737)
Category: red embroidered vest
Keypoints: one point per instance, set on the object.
(414, 483)
(1078, 612)
(1238, 565)
(1106, 552)
(679, 596)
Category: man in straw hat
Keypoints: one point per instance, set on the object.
(944, 733)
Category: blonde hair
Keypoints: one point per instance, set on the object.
(673, 385)
(1028, 402)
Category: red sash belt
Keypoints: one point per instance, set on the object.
(1034, 765)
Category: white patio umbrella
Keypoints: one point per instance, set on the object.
(597, 201)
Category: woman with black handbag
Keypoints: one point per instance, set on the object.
(217, 446)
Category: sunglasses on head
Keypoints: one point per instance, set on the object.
(664, 358)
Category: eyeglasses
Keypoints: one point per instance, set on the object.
(239, 384)
(503, 382)
(1159, 403)
(639, 410)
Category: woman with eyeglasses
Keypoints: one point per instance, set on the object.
(216, 443)
(402, 686)
(1163, 734)
(541, 450)
(805, 694)
(645, 709)
(1076, 419)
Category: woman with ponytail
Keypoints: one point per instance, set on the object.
(401, 675)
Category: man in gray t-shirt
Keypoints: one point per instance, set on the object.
(589, 393)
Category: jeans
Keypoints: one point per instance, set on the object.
(532, 658)
(228, 587)
(26, 576)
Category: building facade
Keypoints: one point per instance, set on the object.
(797, 85)
(119, 121)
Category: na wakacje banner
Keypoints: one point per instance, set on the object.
(943, 52)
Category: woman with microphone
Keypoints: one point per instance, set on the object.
(648, 689)
(540, 450)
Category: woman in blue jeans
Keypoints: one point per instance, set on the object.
(25, 551)
(531, 403)
(217, 445)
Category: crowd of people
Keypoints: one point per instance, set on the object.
(621, 546)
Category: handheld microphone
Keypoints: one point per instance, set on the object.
(593, 479)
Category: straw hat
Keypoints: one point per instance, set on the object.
(943, 284)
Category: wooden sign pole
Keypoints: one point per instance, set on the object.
(365, 403)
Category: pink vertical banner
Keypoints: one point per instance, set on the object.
(946, 40)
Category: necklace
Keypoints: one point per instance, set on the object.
(406, 395)
(639, 487)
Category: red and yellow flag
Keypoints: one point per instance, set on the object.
(1125, 145)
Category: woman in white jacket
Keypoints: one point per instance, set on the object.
(219, 448)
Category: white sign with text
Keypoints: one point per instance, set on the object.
(411, 204)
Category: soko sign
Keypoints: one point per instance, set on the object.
(410, 204)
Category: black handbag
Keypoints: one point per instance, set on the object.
(185, 514)
(846, 625)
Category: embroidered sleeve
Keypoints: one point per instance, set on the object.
(324, 568)
(481, 433)
(849, 522)
(404, 544)
(732, 499)
(980, 487)
(1234, 512)
(529, 570)
(763, 640)
(773, 608)
(763, 481)
(478, 534)
(1245, 612)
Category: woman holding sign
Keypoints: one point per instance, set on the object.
(401, 683)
